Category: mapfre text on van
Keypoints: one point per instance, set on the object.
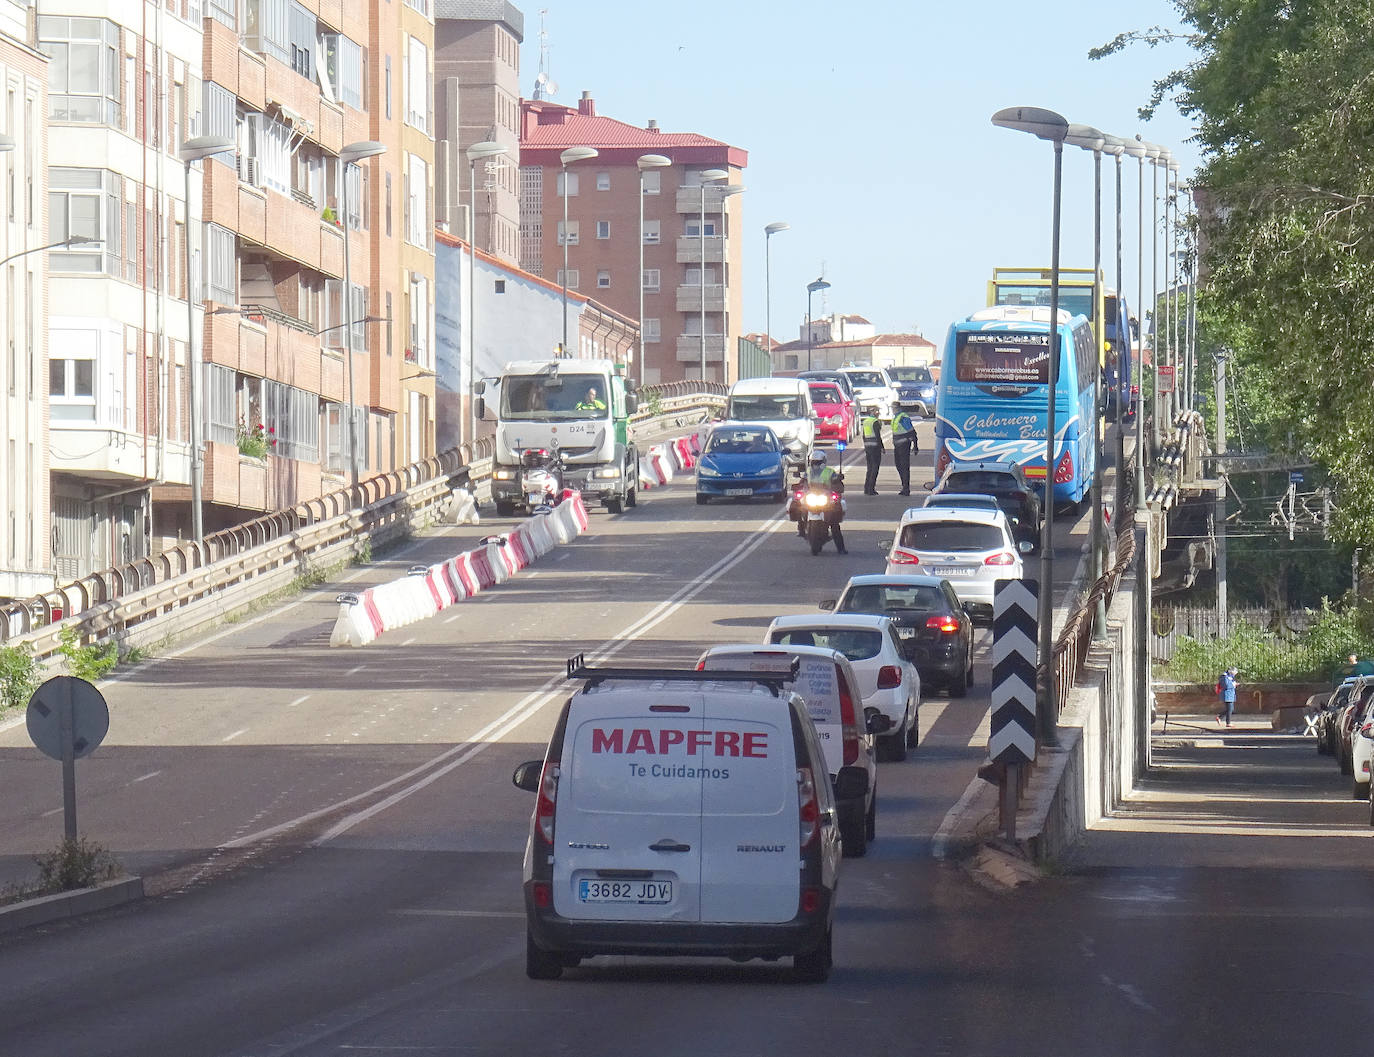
(618, 741)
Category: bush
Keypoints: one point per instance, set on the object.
(73, 864)
(19, 675)
(91, 661)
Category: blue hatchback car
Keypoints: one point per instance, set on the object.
(741, 460)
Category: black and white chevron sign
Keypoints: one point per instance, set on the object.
(1014, 637)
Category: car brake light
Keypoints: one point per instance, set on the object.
(1004, 558)
(849, 723)
(889, 676)
(945, 624)
(808, 807)
(901, 557)
(548, 799)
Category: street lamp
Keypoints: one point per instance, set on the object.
(811, 288)
(725, 193)
(1047, 125)
(707, 176)
(569, 156)
(1116, 147)
(67, 243)
(1161, 159)
(353, 152)
(194, 150)
(769, 230)
(477, 152)
(644, 162)
(1139, 150)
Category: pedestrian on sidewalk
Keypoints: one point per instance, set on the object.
(1226, 689)
(903, 444)
(872, 430)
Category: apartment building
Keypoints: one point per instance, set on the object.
(294, 342)
(25, 553)
(692, 278)
(477, 76)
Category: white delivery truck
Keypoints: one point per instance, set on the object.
(581, 409)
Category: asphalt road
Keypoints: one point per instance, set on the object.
(333, 844)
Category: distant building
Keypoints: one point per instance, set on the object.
(884, 350)
(692, 270)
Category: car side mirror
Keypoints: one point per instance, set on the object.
(875, 722)
(828, 605)
(1025, 546)
(884, 545)
(526, 775)
(631, 402)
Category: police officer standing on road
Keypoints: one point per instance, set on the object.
(904, 442)
(872, 429)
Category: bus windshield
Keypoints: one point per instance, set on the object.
(551, 397)
(1076, 300)
(992, 357)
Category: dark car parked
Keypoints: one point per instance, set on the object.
(935, 630)
(1004, 481)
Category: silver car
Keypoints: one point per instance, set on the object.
(970, 548)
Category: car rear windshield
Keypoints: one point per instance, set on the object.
(883, 598)
(741, 442)
(857, 644)
(951, 536)
(980, 481)
(825, 394)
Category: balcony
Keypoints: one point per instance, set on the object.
(689, 298)
(689, 348)
(689, 199)
(689, 249)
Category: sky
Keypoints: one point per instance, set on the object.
(869, 132)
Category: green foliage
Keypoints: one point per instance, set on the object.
(1266, 657)
(78, 863)
(91, 661)
(654, 404)
(363, 555)
(19, 675)
(256, 441)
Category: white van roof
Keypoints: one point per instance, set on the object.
(770, 386)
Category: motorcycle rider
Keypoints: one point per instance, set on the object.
(818, 472)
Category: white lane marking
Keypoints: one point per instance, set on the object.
(58, 810)
(562, 556)
(427, 913)
(144, 778)
(979, 738)
(525, 708)
(412, 638)
(231, 737)
(354, 671)
(306, 697)
(455, 616)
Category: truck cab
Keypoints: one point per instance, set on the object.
(579, 407)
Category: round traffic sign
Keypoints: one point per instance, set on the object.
(90, 716)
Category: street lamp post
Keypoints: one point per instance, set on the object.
(644, 162)
(811, 288)
(726, 192)
(707, 176)
(352, 153)
(1116, 147)
(769, 231)
(1047, 125)
(195, 150)
(1091, 139)
(477, 152)
(1140, 150)
(1160, 159)
(572, 154)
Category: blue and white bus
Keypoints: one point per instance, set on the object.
(993, 400)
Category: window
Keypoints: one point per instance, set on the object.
(568, 180)
(571, 230)
(652, 331)
(221, 263)
(342, 70)
(302, 40)
(353, 174)
(693, 229)
(220, 116)
(603, 279)
(421, 6)
(417, 84)
(267, 28)
(573, 278)
(71, 389)
(651, 280)
(386, 87)
(225, 12)
(652, 181)
(388, 207)
(417, 201)
(83, 71)
(651, 232)
(86, 202)
(293, 415)
(603, 229)
(603, 181)
(419, 322)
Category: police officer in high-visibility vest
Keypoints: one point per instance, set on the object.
(871, 428)
(904, 442)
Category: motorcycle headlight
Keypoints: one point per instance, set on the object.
(816, 501)
(504, 475)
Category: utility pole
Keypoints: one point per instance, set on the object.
(1220, 563)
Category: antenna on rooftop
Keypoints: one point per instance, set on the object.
(545, 87)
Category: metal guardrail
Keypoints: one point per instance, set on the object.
(190, 585)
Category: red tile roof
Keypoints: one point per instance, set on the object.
(547, 126)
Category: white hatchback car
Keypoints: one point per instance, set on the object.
(972, 549)
(887, 680)
(1362, 740)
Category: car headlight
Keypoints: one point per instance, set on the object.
(928, 393)
(832, 420)
(706, 471)
(504, 475)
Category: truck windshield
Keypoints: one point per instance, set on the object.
(550, 397)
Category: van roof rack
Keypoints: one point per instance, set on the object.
(579, 669)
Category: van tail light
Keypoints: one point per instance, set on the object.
(945, 624)
(849, 723)
(1004, 558)
(808, 807)
(548, 800)
(542, 893)
(901, 557)
(810, 899)
(889, 677)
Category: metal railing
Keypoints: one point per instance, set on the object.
(189, 584)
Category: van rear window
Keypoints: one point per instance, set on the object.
(857, 644)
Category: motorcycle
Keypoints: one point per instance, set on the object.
(818, 510)
(541, 477)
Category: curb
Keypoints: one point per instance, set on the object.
(71, 904)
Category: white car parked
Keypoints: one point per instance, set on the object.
(872, 388)
(1362, 740)
(887, 680)
(972, 549)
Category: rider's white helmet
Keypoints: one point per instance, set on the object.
(817, 458)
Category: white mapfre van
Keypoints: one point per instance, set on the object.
(680, 813)
(782, 404)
